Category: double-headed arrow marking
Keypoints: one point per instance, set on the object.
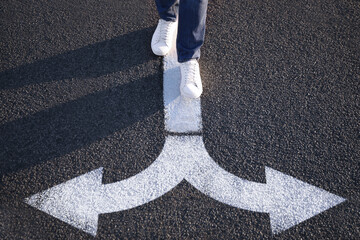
(79, 201)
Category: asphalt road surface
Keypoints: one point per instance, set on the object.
(80, 89)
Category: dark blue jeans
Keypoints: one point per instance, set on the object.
(191, 28)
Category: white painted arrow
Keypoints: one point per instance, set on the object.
(79, 201)
(288, 201)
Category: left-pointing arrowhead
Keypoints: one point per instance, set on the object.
(73, 202)
(293, 201)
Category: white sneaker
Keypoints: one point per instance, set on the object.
(162, 38)
(191, 85)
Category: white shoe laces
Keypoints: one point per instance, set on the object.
(190, 72)
(165, 27)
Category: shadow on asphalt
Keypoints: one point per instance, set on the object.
(114, 55)
(62, 129)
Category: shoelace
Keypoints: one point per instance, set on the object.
(164, 30)
(190, 71)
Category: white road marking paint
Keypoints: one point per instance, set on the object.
(182, 115)
(79, 201)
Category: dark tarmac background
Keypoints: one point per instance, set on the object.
(80, 89)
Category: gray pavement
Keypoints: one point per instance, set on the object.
(80, 89)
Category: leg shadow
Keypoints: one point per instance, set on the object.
(64, 128)
(92, 61)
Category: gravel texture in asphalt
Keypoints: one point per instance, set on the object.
(80, 89)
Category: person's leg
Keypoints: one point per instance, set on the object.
(191, 29)
(166, 9)
(191, 33)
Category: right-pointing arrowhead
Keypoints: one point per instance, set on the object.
(74, 201)
(293, 201)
